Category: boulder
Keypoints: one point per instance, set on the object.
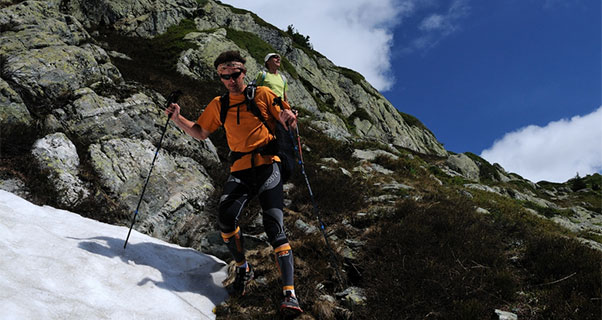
(57, 157)
(464, 165)
(353, 297)
(370, 155)
(177, 189)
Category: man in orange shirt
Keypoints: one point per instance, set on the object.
(253, 173)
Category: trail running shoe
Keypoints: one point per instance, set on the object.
(290, 305)
(243, 277)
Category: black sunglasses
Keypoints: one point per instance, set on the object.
(234, 75)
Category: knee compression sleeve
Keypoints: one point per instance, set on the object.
(284, 261)
(234, 242)
(273, 223)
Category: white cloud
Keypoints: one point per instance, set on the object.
(436, 26)
(432, 22)
(553, 153)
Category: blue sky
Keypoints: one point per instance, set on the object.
(516, 81)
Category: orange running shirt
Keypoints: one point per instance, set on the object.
(244, 131)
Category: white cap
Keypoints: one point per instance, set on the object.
(269, 56)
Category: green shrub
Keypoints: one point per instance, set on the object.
(440, 259)
(413, 121)
(299, 39)
(577, 183)
(547, 211)
(565, 275)
(170, 44)
(355, 77)
(487, 172)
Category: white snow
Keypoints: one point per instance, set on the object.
(55, 264)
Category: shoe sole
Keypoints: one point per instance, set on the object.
(290, 310)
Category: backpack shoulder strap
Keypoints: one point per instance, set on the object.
(249, 101)
(262, 81)
(225, 105)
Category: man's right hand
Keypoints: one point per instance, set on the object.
(173, 111)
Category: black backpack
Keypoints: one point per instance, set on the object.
(283, 146)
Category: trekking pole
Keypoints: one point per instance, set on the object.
(172, 98)
(334, 260)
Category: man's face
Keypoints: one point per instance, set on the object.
(233, 79)
(274, 61)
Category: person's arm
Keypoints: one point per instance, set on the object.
(191, 128)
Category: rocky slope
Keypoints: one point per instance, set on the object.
(57, 78)
(82, 87)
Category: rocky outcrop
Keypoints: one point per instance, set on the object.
(140, 18)
(58, 85)
(178, 187)
(46, 55)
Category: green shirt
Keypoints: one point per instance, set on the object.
(275, 82)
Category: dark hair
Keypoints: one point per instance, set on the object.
(228, 56)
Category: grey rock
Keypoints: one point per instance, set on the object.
(94, 118)
(330, 160)
(370, 155)
(306, 228)
(178, 186)
(38, 24)
(505, 315)
(141, 18)
(462, 164)
(395, 186)
(51, 74)
(353, 297)
(439, 182)
(385, 198)
(15, 186)
(56, 155)
(483, 187)
(369, 168)
(482, 211)
(15, 119)
(532, 198)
